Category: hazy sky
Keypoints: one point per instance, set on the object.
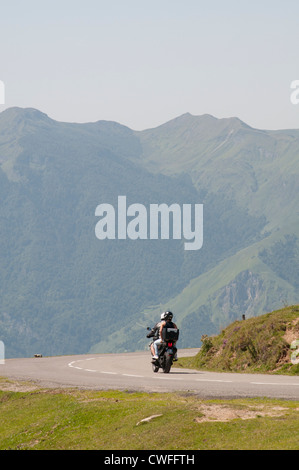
(142, 63)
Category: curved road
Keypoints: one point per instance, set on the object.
(133, 372)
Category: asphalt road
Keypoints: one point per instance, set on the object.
(133, 372)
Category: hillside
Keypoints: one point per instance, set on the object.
(63, 291)
(244, 172)
(260, 344)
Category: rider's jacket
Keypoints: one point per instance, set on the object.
(155, 331)
(169, 324)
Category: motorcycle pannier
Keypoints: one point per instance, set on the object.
(170, 334)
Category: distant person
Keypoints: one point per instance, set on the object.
(154, 333)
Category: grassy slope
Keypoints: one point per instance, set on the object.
(203, 288)
(260, 344)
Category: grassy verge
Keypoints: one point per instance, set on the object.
(72, 419)
(260, 344)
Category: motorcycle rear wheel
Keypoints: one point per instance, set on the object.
(167, 364)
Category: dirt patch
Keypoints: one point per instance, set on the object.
(226, 413)
(16, 386)
(292, 333)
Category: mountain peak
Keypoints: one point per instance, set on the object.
(18, 118)
(16, 123)
(204, 120)
(25, 113)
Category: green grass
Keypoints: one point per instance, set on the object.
(73, 419)
(259, 344)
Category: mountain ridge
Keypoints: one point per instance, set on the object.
(66, 292)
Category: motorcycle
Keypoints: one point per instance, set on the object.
(166, 350)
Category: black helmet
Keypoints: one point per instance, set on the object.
(168, 316)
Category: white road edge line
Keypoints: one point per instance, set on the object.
(273, 383)
(71, 364)
(213, 380)
(132, 375)
(169, 377)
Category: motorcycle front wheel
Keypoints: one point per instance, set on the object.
(155, 368)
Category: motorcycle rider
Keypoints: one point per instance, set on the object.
(166, 321)
(154, 333)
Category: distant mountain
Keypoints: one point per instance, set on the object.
(253, 172)
(64, 291)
